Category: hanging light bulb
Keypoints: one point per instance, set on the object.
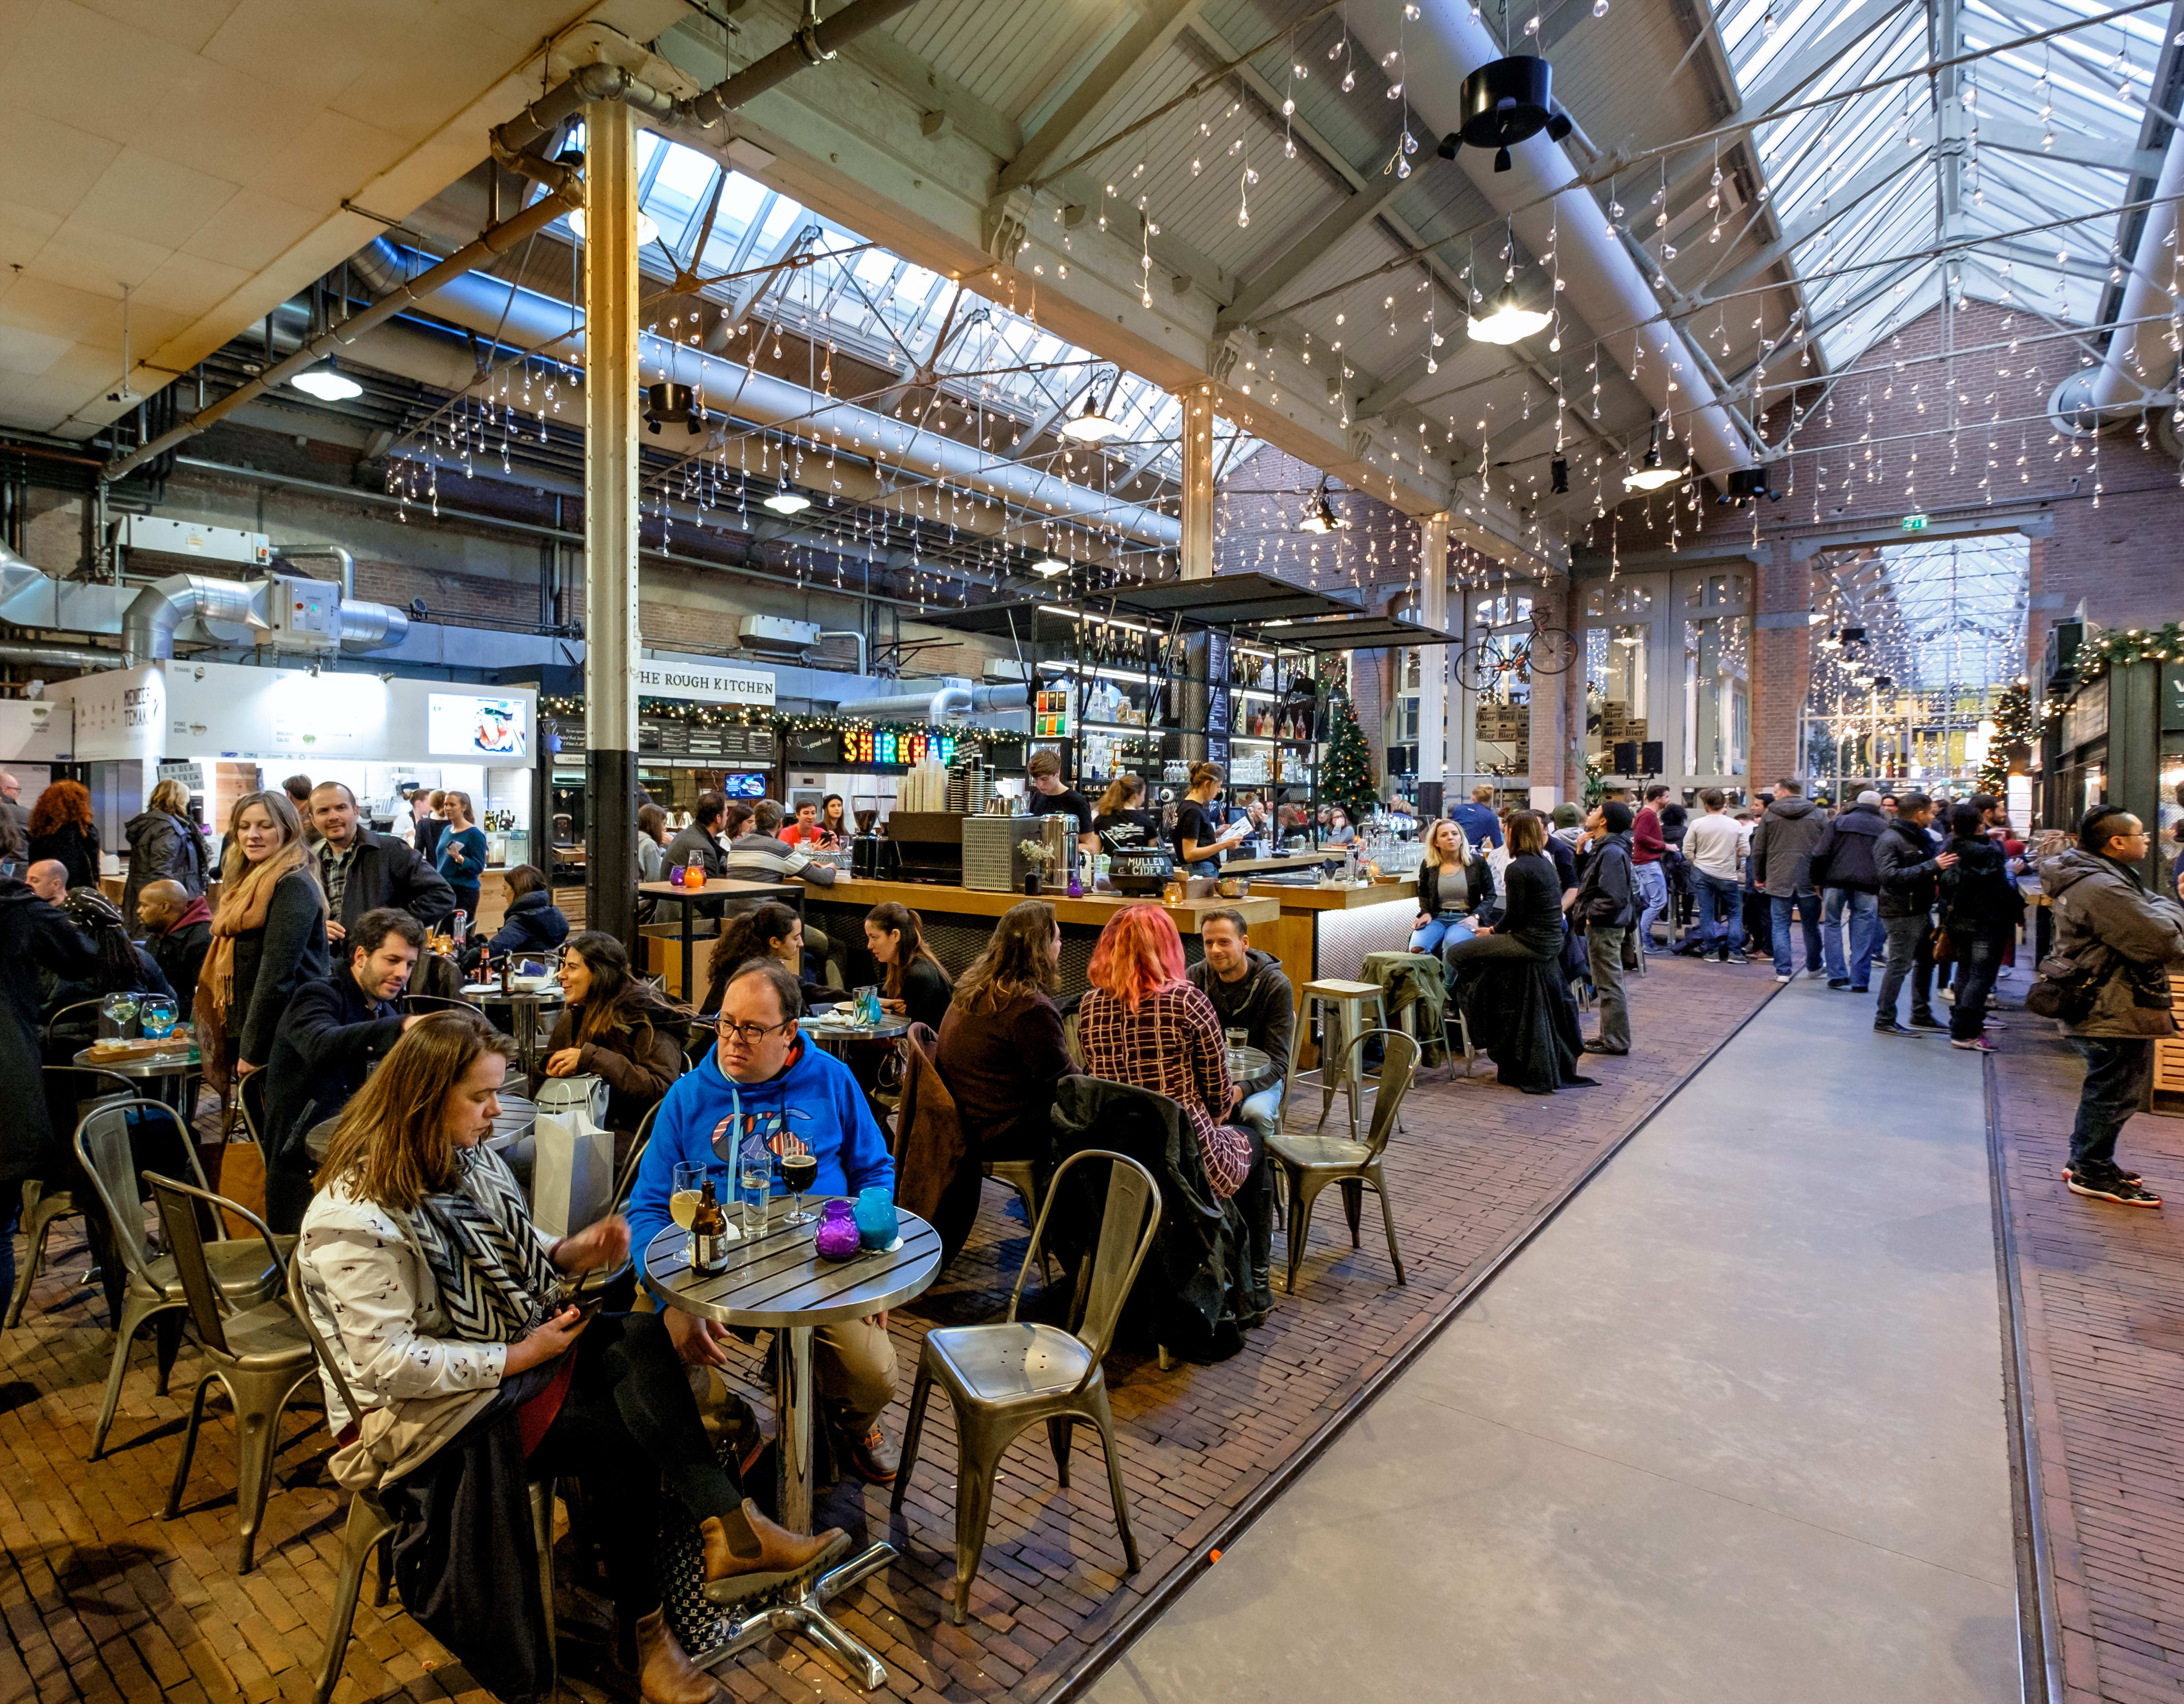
(1091, 426)
(328, 383)
(1509, 320)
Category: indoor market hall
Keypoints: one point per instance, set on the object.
(1148, 851)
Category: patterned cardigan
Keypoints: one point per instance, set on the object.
(373, 1299)
(1171, 1043)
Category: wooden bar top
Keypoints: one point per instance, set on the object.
(1093, 910)
(720, 887)
(1305, 896)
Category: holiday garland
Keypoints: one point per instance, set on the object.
(746, 716)
(2112, 646)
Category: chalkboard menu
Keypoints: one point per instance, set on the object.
(815, 745)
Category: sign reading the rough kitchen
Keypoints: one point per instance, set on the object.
(704, 684)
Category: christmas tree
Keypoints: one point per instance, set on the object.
(1346, 777)
(2012, 726)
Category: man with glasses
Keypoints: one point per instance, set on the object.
(2124, 938)
(787, 1090)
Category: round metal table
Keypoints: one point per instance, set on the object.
(1251, 1066)
(836, 1037)
(777, 1280)
(526, 1004)
(179, 1062)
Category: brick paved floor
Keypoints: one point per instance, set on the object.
(2103, 1315)
(102, 1600)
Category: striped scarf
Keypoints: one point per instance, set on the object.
(492, 1273)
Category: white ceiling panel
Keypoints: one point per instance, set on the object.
(198, 151)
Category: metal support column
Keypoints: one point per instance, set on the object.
(1196, 550)
(610, 496)
(1435, 662)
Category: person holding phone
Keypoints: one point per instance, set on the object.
(448, 1317)
(462, 853)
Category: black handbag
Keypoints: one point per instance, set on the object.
(2063, 990)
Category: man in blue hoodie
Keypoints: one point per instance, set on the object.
(783, 1086)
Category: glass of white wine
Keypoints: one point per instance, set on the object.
(688, 1185)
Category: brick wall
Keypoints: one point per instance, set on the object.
(2114, 504)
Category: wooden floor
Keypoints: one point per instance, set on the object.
(102, 1600)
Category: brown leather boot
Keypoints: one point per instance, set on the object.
(664, 1672)
(781, 1557)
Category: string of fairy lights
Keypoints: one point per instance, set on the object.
(947, 537)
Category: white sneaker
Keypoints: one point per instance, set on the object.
(1785, 979)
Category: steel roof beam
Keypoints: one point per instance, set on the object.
(1141, 44)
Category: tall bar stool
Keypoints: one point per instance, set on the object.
(1340, 1007)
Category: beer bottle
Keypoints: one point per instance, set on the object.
(709, 1235)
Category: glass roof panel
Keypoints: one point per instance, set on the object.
(880, 308)
(2083, 94)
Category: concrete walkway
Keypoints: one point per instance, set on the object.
(1730, 1430)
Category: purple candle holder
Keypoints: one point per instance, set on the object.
(836, 1236)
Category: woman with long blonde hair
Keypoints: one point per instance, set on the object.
(268, 936)
(165, 845)
(448, 1316)
(1455, 889)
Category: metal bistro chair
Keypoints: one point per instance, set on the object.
(1340, 1004)
(1310, 1162)
(153, 1288)
(44, 1206)
(1005, 1378)
(259, 1356)
(370, 1526)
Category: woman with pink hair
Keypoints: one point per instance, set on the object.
(1144, 1024)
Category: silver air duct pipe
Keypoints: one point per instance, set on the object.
(58, 657)
(1601, 283)
(147, 630)
(234, 613)
(2122, 386)
(953, 701)
(493, 307)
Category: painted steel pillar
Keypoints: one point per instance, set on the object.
(611, 516)
(1195, 552)
(1434, 661)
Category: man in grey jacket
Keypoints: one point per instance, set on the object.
(1782, 867)
(2111, 926)
(700, 838)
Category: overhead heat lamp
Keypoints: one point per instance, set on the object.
(1505, 102)
(671, 404)
(788, 500)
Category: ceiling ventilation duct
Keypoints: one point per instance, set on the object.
(2141, 362)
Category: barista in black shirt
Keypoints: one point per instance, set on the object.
(1049, 796)
(1201, 838)
(1121, 819)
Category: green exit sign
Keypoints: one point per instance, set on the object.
(1914, 523)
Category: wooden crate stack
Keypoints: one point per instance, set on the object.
(1506, 725)
(1617, 723)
